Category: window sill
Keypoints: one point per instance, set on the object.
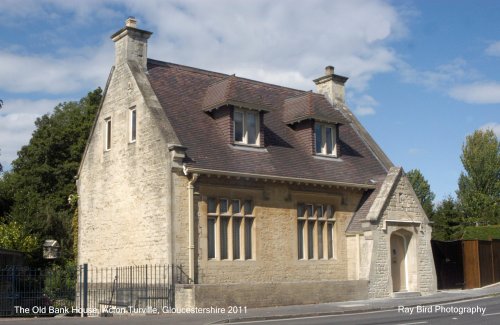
(217, 260)
(248, 147)
(327, 157)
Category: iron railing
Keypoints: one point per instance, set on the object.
(88, 291)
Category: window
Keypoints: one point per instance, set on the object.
(107, 134)
(315, 231)
(133, 124)
(326, 139)
(230, 225)
(246, 127)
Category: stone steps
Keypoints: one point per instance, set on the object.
(406, 294)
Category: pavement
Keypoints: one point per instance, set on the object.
(346, 307)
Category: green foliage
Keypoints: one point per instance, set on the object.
(35, 192)
(479, 186)
(447, 221)
(73, 201)
(422, 190)
(482, 232)
(15, 236)
(60, 283)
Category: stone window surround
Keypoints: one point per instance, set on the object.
(132, 135)
(334, 135)
(327, 220)
(243, 216)
(107, 133)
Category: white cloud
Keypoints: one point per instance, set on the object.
(439, 78)
(477, 93)
(492, 126)
(293, 37)
(493, 49)
(74, 72)
(364, 104)
(17, 119)
(363, 111)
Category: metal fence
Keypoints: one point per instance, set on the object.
(129, 289)
(26, 291)
(88, 291)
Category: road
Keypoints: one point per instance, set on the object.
(447, 313)
(435, 314)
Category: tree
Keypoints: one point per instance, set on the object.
(35, 192)
(447, 220)
(422, 189)
(15, 236)
(479, 185)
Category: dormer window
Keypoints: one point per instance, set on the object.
(246, 127)
(326, 139)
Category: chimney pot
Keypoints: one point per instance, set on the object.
(329, 70)
(131, 22)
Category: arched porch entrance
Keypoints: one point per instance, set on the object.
(399, 260)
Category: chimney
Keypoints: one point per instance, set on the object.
(332, 86)
(131, 44)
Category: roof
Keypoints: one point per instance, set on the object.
(355, 226)
(186, 94)
(311, 106)
(233, 91)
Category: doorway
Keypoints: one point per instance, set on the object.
(399, 249)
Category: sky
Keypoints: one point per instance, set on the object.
(422, 74)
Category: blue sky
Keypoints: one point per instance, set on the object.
(422, 74)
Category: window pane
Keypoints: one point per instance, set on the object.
(211, 205)
(330, 239)
(317, 132)
(248, 238)
(300, 238)
(300, 210)
(309, 211)
(133, 128)
(236, 238)
(319, 211)
(248, 207)
(310, 239)
(211, 237)
(238, 126)
(236, 207)
(321, 227)
(224, 206)
(108, 134)
(329, 141)
(251, 127)
(224, 223)
(329, 211)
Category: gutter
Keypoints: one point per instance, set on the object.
(187, 170)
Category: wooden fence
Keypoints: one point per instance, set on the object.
(466, 263)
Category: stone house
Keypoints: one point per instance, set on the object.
(266, 195)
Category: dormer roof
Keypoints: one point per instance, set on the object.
(234, 91)
(311, 106)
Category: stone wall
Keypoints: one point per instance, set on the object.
(275, 230)
(124, 192)
(270, 294)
